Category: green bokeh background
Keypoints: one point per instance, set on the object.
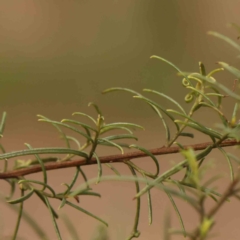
(57, 56)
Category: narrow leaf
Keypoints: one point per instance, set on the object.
(2, 124)
(19, 218)
(72, 182)
(53, 219)
(123, 124)
(42, 151)
(96, 108)
(231, 69)
(83, 114)
(229, 162)
(40, 183)
(99, 168)
(69, 127)
(23, 198)
(185, 134)
(171, 64)
(120, 89)
(167, 97)
(150, 155)
(86, 212)
(111, 143)
(42, 166)
(106, 129)
(177, 212)
(150, 102)
(226, 39)
(121, 136)
(79, 123)
(113, 169)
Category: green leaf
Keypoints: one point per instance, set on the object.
(205, 226)
(120, 89)
(86, 212)
(185, 134)
(42, 151)
(40, 183)
(149, 200)
(42, 166)
(106, 129)
(167, 97)
(234, 115)
(207, 131)
(42, 198)
(123, 124)
(234, 25)
(218, 95)
(171, 64)
(228, 161)
(99, 167)
(74, 140)
(63, 135)
(72, 182)
(79, 123)
(23, 198)
(2, 124)
(150, 155)
(19, 217)
(226, 39)
(177, 212)
(69, 127)
(113, 169)
(172, 171)
(150, 102)
(186, 117)
(215, 71)
(231, 69)
(235, 158)
(53, 219)
(12, 183)
(223, 118)
(27, 218)
(62, 203)
(202, 94)
(111, 143)
(83, 114)
(90, 194)
(125, 145)
(83, 175)
(217, 84)
(135, 232)
(96, 108)
(192, 161)
(71, 229)
(121, 136)
(168, 136)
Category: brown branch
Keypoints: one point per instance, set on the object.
(110, 158)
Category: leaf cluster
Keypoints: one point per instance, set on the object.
(203, 91)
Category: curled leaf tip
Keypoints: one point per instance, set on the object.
(89, 104)
(106, 90)
(153, 56)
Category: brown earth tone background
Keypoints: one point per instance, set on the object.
(57, 56)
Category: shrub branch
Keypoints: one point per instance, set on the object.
(112, 158)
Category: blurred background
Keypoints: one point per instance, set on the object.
(57, 56)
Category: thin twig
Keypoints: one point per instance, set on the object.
(112, 158)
